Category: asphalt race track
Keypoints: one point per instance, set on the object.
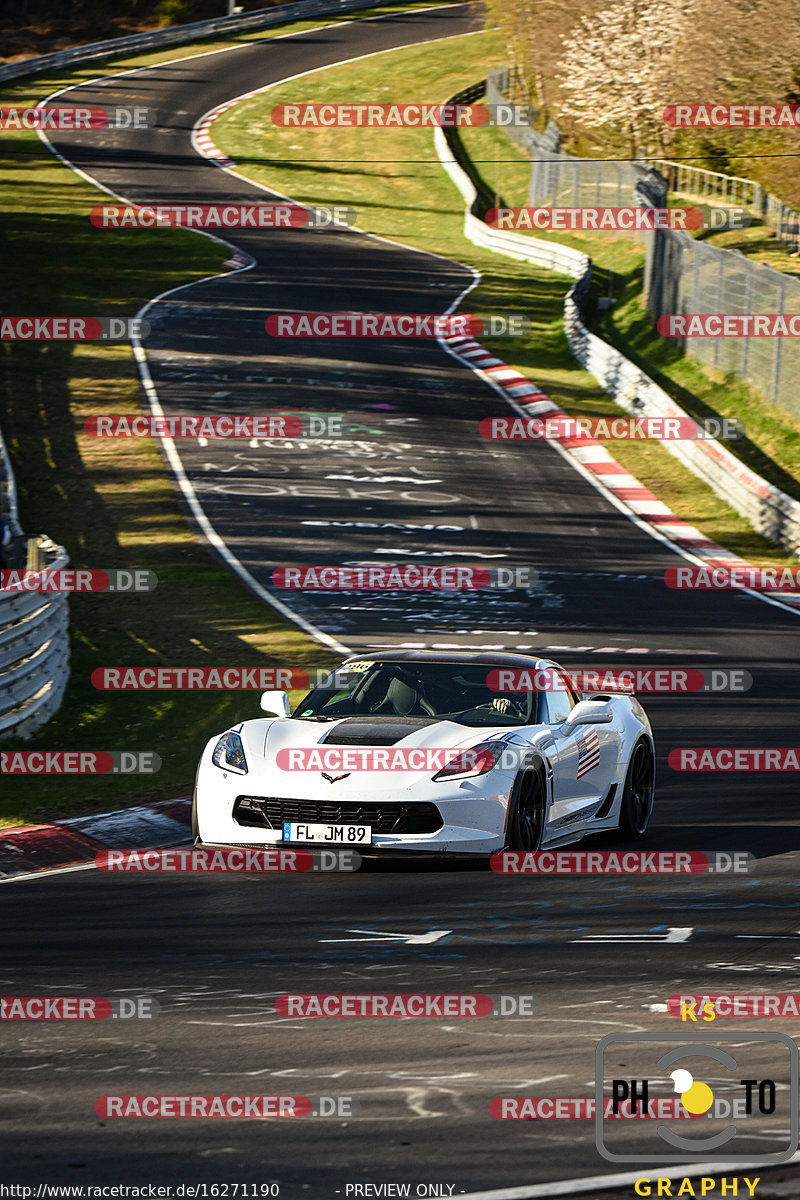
(216, 951)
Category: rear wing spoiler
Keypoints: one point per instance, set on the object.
(608, 693)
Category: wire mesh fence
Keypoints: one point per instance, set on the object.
(560, 179)
(686, 276)
(734, 189)
(682, 275)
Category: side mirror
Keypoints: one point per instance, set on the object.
(588, 712)
(276, 703)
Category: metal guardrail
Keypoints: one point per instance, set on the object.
(711, 185)
(34, 648)
(34, 632)
(175, 34)
(769, 510)
(8, 491)
(784, 220)
(734, 190)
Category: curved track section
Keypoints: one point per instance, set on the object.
(412, 478)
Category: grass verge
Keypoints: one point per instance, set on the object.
(115, 505)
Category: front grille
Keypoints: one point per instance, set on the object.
(259, 812)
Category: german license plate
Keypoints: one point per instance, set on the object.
(339, 835)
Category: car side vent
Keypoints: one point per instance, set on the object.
(605, 807)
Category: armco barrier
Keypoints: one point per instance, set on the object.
(175, 34)
(34, 635)
(34, 650)
(769, 510)
(8, 492)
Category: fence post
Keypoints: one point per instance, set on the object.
(748, 309)
(778, 360)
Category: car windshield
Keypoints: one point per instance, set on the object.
(438, 691)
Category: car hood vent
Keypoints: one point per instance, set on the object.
(364, 731)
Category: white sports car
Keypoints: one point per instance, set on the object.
(457, 752)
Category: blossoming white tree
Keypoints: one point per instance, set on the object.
(619, 69)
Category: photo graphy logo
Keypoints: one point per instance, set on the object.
(755, 1073)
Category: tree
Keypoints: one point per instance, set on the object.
(618, 65)
(533, 32)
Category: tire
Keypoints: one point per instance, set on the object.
(195, 822)
(529, 811)
(637, 795)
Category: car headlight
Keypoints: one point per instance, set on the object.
(229, 752)
(470, 763)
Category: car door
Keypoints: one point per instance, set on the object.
(584, 754)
